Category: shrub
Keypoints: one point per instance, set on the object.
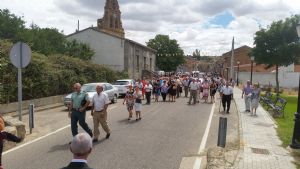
(48, 75)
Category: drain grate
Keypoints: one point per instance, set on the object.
(260, 151)
(264, 124)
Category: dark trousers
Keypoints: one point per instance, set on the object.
(9, 137)
(76, 117)
(178, 91)
(186, 91)
(148, 97)
(226, 99)
(164, 96)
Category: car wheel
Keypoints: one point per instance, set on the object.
(115, 99)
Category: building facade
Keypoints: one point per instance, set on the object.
(109, 50)
(112, 49)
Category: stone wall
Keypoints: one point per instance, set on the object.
(286, 79)
(13, 107)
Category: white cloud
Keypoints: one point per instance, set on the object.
(184, 20)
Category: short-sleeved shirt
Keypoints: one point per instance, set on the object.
(247, 89)
(77, 98)
(227, 90)
(100, 100)
(194, 86)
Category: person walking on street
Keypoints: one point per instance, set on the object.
(186, 86)
(138, 103)
(77, 110)
(213, 90)
(226, 93)
(194, 86)
(99, 112)
(156, 90)
(81, 148)
(164, 91)
(148, 89)
(205, 92)
(255, 96)
(247, 90)
(129, 100)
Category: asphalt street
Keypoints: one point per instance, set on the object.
(167, 133)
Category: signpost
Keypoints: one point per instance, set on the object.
(20, 56)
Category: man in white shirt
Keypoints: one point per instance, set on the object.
(226, 93)
(194, 86)
(148, 89)
(186, 86)
(99, 112)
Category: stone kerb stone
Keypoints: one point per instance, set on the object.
(20, 126)
(8, 144)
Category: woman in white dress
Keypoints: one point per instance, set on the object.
(138, 103)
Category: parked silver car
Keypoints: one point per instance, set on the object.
(123, 85)
(90, 88)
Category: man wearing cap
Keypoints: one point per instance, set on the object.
(81, 147)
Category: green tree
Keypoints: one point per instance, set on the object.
(169, 54)
(46, 41)
(197, 54)
(10, 24)
(277, 45)
(79, 50)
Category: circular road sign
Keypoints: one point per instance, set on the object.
(20, 55)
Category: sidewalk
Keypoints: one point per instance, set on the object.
(260, 147)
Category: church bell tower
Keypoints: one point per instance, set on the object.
(111, 22)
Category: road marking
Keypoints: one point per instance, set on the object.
(33, 141)
(40, 138)
(198, 161)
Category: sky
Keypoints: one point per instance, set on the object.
(207, 25)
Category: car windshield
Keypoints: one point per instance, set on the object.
(89, 88)
(121, 83)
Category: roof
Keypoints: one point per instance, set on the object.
(131, 41)
(239, 48)
(97, 30)
(94, 29)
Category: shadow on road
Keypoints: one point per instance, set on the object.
(59, 148)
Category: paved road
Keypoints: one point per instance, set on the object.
(167, 132)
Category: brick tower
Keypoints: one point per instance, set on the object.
(111, 22)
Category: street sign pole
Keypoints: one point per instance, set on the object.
(20, 56)
(20, 96)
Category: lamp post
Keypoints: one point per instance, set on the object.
(238, 70)
(296, 135)
(252, 60)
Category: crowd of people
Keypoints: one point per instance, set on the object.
(169, 88)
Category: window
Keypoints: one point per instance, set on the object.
(109, 87)
(151, 63)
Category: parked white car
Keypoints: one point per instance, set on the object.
(90, 88)
(123, 85)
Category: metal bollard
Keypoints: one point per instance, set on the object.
(222, 132)
(31, 117)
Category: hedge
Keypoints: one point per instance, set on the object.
(48, 75)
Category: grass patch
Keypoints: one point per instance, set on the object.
(286, 124)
